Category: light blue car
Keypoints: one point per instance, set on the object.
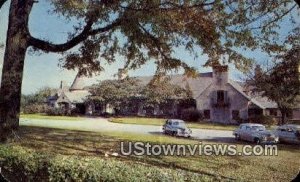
(176, 127)
(289, 133)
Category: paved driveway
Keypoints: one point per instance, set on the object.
(102, 124)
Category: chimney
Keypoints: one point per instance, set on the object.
(61, 85)
(220, 74)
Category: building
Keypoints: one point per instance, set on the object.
(215, 95)
(71, 98)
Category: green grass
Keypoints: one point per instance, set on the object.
(160, 122)
(94, 145)
(44, 116)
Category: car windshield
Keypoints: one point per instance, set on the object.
(258, 128)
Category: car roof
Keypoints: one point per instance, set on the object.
(251, 124)
(174, 120)
(291, 126)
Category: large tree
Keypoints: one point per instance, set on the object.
(150, 29)
(115, 92)
(281, 83)
(160, 91)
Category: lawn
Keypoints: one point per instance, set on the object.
(160, 122)
(44, 116)
(96, 146)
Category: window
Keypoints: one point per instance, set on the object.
(235, 114)
(220, 96)
(206, 114)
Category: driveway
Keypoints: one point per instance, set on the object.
(102, 124)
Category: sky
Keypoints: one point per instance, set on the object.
(42, 70)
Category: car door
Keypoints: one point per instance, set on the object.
(248, 134)
(242, 132)
(281, 132)
(290, 135)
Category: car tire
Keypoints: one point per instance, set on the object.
(257, 140)
(174, 133)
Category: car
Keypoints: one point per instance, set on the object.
(257, 133)
(176, 127)
(289, 133)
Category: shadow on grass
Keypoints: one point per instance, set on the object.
(66, 142)
(81, 143)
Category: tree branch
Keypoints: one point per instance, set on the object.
(174, 6)
(86, 32)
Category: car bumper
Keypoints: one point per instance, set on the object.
(270, 141)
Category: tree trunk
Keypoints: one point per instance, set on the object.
(283, 116)
(12, 71)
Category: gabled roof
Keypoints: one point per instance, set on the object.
(78, 96)
(78, 83)
(63, 98)
(197, 84)
(261, 102)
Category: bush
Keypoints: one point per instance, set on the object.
(56, 112)
(19, 164)
(191, 114)
(35, 108)
(266, 120)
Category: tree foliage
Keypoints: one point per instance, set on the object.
(115, 92)
(144, 30)
(161, 91)
(121, 92)
(282, 83)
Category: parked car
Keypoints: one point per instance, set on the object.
(289, 133)
(176, 127)
(255, 133)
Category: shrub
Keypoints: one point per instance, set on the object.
(19, 164)
(266, 120)
(35, 108)
(55, 112)
(191, 114)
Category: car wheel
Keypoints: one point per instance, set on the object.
(257, 140)
(174, 133)
(237, 137)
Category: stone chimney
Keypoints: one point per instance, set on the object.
(122, 74)
(220, 74)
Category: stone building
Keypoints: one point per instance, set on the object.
(214, 94)
(70, 98)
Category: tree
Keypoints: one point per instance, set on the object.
(281, 84)
(115, 92)
(160, 91)
(151, 30)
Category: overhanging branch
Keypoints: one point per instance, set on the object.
(86, 32)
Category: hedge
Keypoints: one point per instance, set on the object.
(19, 164)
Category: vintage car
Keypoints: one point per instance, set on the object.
(176, 127)
(289, 133)
(255, 133)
